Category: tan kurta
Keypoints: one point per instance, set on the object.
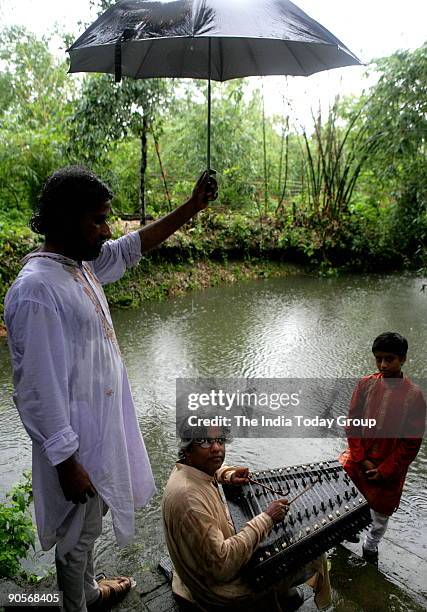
(207, 554)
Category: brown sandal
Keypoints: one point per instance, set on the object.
(111, 592)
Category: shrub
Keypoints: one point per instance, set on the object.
(17, 533)
(16, 240)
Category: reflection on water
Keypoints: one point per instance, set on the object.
(291, 327)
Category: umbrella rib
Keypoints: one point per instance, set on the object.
(295, 57)
(221, 59)
(150, 45)
(182, 60)
(319, 59)
(252, 56)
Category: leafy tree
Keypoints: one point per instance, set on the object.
(34, 85)
(108, 112)
(396, 117)
(36, 97)
(396, 112)
(237, 142)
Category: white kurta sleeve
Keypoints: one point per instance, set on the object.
(116, 256)
(40, 376)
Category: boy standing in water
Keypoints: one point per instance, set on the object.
(378, 465)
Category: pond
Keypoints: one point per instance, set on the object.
(290, 327)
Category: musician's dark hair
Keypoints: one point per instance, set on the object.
(391, 342)
(188, 434)
(67, 193)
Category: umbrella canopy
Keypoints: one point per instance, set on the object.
(170, 38)
(207, 39)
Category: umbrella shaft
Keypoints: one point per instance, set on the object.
(208, 160)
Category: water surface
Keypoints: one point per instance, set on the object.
(290, 327)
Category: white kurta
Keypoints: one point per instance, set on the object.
(71, 386)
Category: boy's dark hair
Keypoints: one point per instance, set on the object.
(67, 193)
(391, 342)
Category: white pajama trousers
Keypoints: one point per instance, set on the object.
(74, 569)
(375, 531)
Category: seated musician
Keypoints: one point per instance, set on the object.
(207, 554)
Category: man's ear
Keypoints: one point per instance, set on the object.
(403, 359)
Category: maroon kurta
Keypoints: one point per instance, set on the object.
(400, 408)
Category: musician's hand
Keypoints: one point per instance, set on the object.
(240, 476)
(367, 465)
(374, 475)
(278, 509)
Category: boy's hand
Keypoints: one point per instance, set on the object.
(240, 476)
(368, 465)
(374, 475)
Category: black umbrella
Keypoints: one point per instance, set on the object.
(207, 39)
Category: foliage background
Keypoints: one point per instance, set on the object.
(349, 193)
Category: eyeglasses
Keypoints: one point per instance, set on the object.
(207, 442)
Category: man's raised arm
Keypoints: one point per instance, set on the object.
(206, 190)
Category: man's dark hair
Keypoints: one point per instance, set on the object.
(391, 342)
(68, 192)
(187, 434)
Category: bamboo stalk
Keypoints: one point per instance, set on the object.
(264, 142)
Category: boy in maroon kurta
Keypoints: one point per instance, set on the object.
(378, 465)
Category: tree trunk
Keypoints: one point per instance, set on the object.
(264, 142)
(143, 168)
(285, 180)
(162, 170)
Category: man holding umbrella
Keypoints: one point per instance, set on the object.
(71, 386)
